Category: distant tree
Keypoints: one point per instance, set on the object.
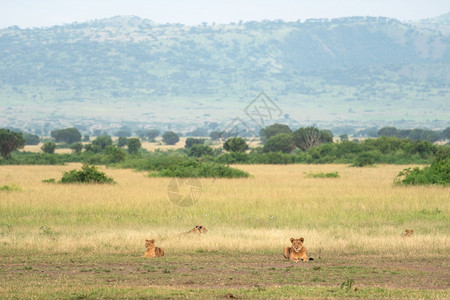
(235, 144)
(326, 136)
(49, 147)
(193, 141)
(152, 134)
(122, 142)
(102, 141)
(77, 147)
(306, 137)
(369, 132)
(387, 131)
(92, 148)
(215, 135)
(10, 141)
(343, 137)
(86, 138)
(122, 133)
(213, 125)
(67, 135)
(198, 132)
(282, 142)
(98, 132)
(272, 130)
(31, 139)
(199, 150)
(170, 138)
(114, 154)
(134, 144)
(445, 134)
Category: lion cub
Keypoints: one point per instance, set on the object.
(151, 250)
(198, 229)
(297, 252)
(408, 232)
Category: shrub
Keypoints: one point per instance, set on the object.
(437, 173)
(235, 144)
(193, 141)
(364, 159)
(87, 174)
(102, 141)
(10, 188)
(49, 147)
(77, 147)
(112, 154)
(322, 175)
(194, 168)
(199, 150)
(282, 142)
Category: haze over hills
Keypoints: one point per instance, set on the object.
(350, 72)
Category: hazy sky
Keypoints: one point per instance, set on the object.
(39, 13)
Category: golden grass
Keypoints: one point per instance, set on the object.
(360, 212)
(37, 149)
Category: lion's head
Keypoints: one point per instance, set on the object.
(297, 244)
(149, 243)
(409, 232)
(201, 228)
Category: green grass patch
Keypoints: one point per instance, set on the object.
(10, 188)
(322, 175)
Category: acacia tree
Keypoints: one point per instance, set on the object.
(134, 144)
(235, 144)
(10, 141)
(67, 135)
(273, 130)
(306, 137)
(170, 138)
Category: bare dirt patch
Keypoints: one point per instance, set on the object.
(212, 270)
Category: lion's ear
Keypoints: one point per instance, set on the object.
(292, 240)
(152, 241)
(302, 239)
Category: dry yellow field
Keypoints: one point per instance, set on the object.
(360, 212)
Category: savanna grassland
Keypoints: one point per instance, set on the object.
(87, 241)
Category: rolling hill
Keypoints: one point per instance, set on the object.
(355, 71)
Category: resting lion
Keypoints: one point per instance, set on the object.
(151, 250)
(297, 252)
(408, 232)
(198, 229)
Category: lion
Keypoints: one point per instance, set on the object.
(151, 250)
(198, 229)
(297, 252)
(408, 232)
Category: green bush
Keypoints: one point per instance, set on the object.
(10, 188)
(322, 175)
(437, 173)
(194, 168)
(87, 174)
(365, 159)
(49, 147)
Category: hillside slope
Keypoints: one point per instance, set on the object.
(333, 67)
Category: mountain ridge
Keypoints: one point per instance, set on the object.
(353, 61)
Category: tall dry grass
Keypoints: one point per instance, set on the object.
(360, 212)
